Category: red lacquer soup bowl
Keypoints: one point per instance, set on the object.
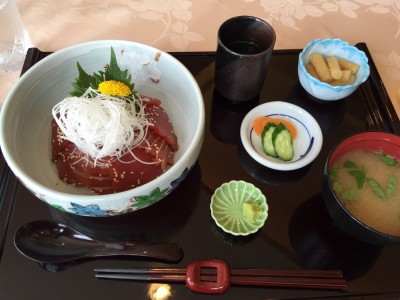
(385, 142)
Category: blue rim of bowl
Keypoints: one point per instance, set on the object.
(311, 138)
(315, 81)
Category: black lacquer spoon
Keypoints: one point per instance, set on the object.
(55, 243)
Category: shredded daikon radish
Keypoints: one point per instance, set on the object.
(102, 125)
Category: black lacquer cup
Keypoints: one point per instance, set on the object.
(245, 46)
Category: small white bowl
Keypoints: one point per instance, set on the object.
(338, 48)
(307, 144)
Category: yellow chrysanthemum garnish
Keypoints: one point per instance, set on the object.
(112, 81)
(114, 88)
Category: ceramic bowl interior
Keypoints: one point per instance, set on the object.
(307, 144)
(372, 141)
(227, 207)
(340, 49)
(26, 132)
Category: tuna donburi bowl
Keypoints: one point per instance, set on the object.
(103, 128)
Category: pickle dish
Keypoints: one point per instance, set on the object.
(306, 134)
(26, 130)
(331, 47)
(239, 208)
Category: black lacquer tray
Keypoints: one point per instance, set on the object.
(297, 234)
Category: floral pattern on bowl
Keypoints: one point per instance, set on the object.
(130, 205)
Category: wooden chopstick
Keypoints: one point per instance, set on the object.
(301, 282)
(237, 271)
(316, 279)
(144, 277)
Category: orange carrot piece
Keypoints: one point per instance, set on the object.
(260, 122)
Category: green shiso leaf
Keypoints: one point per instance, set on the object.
(112, 72)
(83, 82)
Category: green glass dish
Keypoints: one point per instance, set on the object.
(227, 208)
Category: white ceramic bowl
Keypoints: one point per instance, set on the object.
(26, 132)
(307, 144)
(335, 47)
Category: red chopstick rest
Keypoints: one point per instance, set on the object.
(196, 284)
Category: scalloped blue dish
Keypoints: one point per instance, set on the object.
(338, 48)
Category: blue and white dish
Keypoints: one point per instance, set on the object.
(336, 47)
(307, 144)
(26, 131)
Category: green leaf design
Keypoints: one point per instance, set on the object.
(359, 175)
(376, 188)
(391, 188)
(152, 197)
(351, 194)
(112, 72)
(58, 207)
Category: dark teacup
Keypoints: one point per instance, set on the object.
(245, 46)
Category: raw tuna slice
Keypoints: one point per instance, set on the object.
(161, 123)
(159, 148)
(145, 162)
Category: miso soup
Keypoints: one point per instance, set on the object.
(368, 185)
